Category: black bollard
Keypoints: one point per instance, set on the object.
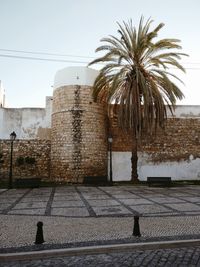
(136, 228)
(39, 235)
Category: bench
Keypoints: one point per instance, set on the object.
(165, 181)
(27, 183)
(95, 180)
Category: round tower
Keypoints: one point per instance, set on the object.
(78, 137)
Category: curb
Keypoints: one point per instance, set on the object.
(33, 255)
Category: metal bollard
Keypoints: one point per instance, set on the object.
(39, 235)
(136, 228)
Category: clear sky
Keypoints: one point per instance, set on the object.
(74, 28)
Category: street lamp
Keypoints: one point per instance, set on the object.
(12, 138)
(110, 140)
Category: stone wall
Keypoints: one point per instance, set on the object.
(25, 152)
(79, 143)
(174, 152)
(179, 140)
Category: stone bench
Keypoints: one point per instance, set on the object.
(163, 181)
(27, 182)
(95, 180)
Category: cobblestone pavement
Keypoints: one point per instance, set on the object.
(163, 257)
(82, 201)
(76, 214)
(92, 214)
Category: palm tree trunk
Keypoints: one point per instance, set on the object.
(134, 161)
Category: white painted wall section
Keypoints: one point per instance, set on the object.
(183, 170)
(75, 76)
(25, 121)
(189, 111)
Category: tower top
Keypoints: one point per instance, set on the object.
(75, 76)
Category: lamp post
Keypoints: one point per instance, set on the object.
(110, 139)
(12, 138)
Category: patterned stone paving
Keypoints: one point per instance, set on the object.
(83, 201)
(95, 214)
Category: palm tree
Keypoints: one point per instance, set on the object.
(136, 78)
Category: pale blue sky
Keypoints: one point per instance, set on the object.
(75, 27)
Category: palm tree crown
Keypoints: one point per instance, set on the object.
(136, 76)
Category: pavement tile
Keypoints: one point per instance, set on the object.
(38, 196)
(29, 205)
(120, 196)
(167, 200)
(68, 203)
(34, 199)
(112, 190)
(7, 200)
(16, 191)
(69, 193)
(65, 190)
(12, 195)
(88, 188)
(4, 206)
(191, 199)
(66, 198)
(28, 212)
(150, 209)
(69, 196)
(134, 196)
(103, 202)
(115, 210)
(135, 201)
(95, 196)
(42, 189)
(151, 196)
(70, 212)
(184, 206)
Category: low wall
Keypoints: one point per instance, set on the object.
(173, 152)
(187, 169)
(31, 158)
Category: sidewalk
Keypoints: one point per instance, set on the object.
(92, 216)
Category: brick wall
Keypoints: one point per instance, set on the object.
(39, 150)
(179, 140)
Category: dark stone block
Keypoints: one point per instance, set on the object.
(27, 183)
(95, 180)
(163, 181)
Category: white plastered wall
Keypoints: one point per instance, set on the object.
(25, 121)
(75, 76)
(182, 170)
